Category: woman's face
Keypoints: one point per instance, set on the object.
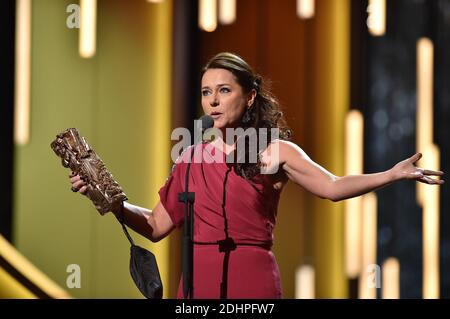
(223, 98)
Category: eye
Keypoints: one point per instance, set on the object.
(205, 92)
(225, 90)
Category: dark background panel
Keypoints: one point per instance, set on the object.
(7, 33)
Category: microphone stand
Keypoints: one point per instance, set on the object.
(188, 198)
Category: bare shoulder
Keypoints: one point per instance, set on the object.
(274, 158)
(281, 150)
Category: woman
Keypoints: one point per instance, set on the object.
(235, 205)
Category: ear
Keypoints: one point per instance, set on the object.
(251, 98)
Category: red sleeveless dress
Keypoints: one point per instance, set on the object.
(227, 207)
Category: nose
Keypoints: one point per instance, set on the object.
(214, 100)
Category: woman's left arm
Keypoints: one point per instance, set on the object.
(303, 171)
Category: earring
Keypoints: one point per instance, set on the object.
(247, 117)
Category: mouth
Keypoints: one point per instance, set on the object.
(215, 115)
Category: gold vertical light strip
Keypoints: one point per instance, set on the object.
(227, 11)
(427, 196)
(431, 228)
(376, 21)
(305, 282)
(207, 15)
(368, 277)
(22, 72)
(160, 120)
(305, 8)
(331, 67)
(390, 285)
(353, 166)
(88, 28)
(424, 113)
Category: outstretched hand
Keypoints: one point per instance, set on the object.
(407, 170)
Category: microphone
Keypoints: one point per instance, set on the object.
(207, 122)
(200, 126)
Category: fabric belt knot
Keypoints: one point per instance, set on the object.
(226, 244)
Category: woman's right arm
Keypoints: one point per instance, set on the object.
(153, 224)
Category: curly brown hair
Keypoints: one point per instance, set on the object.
(265, 111)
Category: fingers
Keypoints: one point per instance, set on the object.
(83, 190)
(78, 183)
(75, 178)
(416, 157)
(80, 187)
(434, 173)
(423, 175)
(431, 181)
